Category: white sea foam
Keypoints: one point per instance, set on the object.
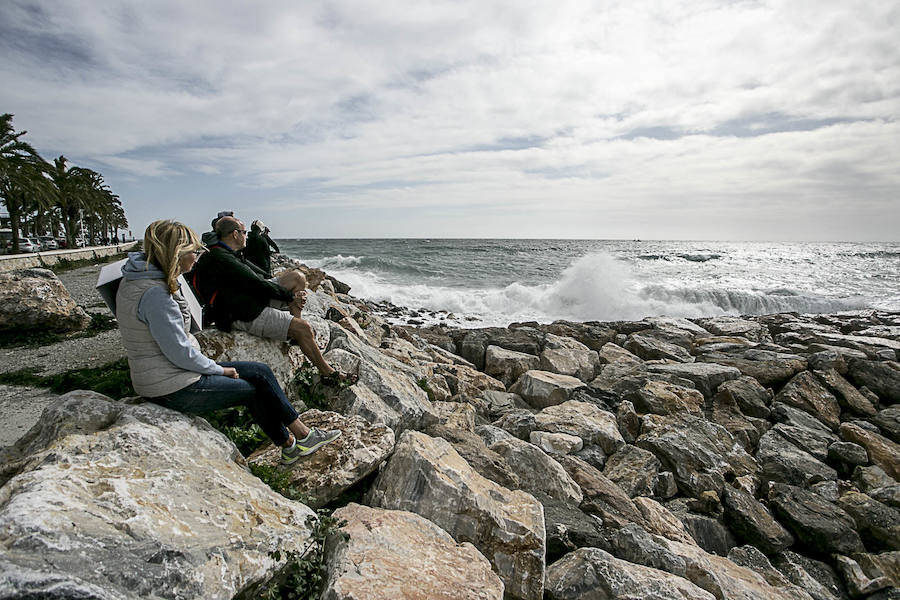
(594, 287)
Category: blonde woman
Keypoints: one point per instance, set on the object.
(165, 359)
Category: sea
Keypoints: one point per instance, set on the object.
(494, 282)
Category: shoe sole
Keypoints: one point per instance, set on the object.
(312, 449)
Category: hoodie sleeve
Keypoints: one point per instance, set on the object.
(272, 243)
(160, 312)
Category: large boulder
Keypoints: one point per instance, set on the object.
(782, 461)
(541, 389)
(567, 356)
(661, 397)
(816, 578)
(592, 424)
(108, 500)
(602, 497)
(326, 474)
(700, 453)
(752, 522)
(508, 365)
(35, 299)
(806, 392)
(848, 396)
(394, 382)
(816, 523)
(707, 377)
(769, 368)
(634, 470)
(653, 348)
(538, 473)
(888, 421)
(397, 554)
(882, 377)
(878, 525)
(592, 573)
(428, 477)
(735, 326)
(882, 451)
(472, 344)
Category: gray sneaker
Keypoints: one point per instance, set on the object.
(312, 442)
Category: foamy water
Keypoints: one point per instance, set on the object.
(495, 282)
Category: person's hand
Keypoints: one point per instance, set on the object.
(231, 372)
(299, 299)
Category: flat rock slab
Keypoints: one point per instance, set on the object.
(399, 554)
(21, 407)
(541, 389)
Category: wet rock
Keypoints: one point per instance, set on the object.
(848, 455)
(806, 393)
(589, 572)
(634, 470)
(888, 421)
(882, 377)
(816, 523)
(35, 299)
(698, 452)
(337, 466)
(386, 553)
(541, 389)
(120, 501)
(735, 326)
(768, 368)
(587, 421)
(508, 365)
(752, 522)
(428, 477)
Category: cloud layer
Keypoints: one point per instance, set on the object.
(700, 119)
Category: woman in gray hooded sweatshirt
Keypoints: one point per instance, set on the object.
(165, 359)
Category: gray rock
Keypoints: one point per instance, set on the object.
(568, 528)
(735, 326)
(847, 395)
(698, 452)
(602, 497)
(336, 467)
(882, 377)
(782, 461)
(889, 495)
(358, 400)
(590, 573)
(848, 454)
(725, 411)
(472, 344)
(628, 421)
(752, 522)
(121, 501)
(651, 348)
(666, 486)
(592, 424)
(592, 334)
(386, 553)
(508, 365)
(428, 477)
(594, 456)
(541, 389)
(870, 478)
(556, 443)
(519, 423)
(768, 368)
(634, 470)
(816, 578)
(500, 403)
(474, 449)
(878, 525)
(817, 524)
(663, 398)
(828, 359)
(538, 473)
(882, 451)
(805, 392)
(567, 356)
(813, 441)
(888, 421)
(859, 583)
(782, 413)
(707, 377)
(611, 353)
(35, 299)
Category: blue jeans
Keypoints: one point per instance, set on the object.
(257, 389)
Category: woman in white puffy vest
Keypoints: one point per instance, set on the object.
(165, 359)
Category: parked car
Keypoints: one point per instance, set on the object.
(27, 246)
(48, 243)
(60, 242)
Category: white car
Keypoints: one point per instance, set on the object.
(48, 243)
(26, 246)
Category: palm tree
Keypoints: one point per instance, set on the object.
(21, 175)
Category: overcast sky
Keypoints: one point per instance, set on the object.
(654, 120)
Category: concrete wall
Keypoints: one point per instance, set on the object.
(12, 262)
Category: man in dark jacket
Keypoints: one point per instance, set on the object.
(240, 296)
(260, 247)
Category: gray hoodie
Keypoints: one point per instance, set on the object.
(163, 355)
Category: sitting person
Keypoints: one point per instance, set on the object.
(260, 247)
(164, 357)
(240, 296)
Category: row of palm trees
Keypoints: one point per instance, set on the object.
(44, 196)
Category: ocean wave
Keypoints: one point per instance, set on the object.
(699, 257)
(593, 287)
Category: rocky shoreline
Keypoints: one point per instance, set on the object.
(728, 457)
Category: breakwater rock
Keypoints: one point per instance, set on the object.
(728, 457)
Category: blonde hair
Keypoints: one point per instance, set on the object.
(165, 242)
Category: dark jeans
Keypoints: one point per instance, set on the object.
(257, 389)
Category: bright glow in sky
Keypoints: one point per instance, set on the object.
(688, 119)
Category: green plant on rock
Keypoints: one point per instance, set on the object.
(112, 379)
(238, 426)
(304, 575)
(308, 388)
